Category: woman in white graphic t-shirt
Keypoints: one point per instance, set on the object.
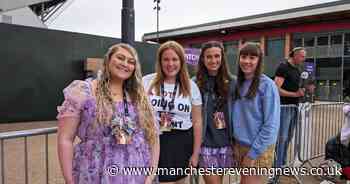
(177, 104)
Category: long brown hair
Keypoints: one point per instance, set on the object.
(250, 49)
(184, 79)
(223, 77)
(134, 88)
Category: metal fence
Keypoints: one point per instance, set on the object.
(315, 124)
(318, 123)
(24, 135)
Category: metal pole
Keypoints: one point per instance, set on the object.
(47, 157)
(342, 69)
(42, 11)
(128, 22)
(2, 161)
(26, 159)
(157, 8)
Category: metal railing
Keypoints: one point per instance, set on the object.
(318, 123)
(25, 134)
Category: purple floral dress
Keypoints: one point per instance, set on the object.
(98, 153)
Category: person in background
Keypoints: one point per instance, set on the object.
(255, 114)
(114, 121)
(288, 80)
(177, 104)
(216, 85)
(338, 147)
(309, 90)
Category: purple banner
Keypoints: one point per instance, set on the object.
(192, 55)
(309, 66)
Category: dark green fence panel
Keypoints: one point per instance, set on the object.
(36, 64)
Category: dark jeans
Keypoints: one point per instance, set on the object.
(287, 126)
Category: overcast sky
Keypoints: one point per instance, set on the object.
(103, 17)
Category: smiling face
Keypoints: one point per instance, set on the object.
(121, 64)
(212, 60)
(170, 63)
(248, 65)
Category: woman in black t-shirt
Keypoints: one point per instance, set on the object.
(215, 83)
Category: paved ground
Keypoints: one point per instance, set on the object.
(15, 161)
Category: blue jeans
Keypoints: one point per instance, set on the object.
(287, 126)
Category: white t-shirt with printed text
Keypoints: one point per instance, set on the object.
(181, 113)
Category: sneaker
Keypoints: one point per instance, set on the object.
(272, 180)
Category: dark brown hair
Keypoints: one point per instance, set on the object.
(250, 49)
(223, 77)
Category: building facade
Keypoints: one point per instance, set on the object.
(323, 29)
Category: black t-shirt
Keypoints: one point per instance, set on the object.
(291, 75)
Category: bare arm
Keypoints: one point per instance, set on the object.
(67, 128)
(197, 136)
(279, 82)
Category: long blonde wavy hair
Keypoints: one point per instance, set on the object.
(183, 76)
(133, 87)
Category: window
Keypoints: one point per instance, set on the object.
(196, 45)
(309, 41)
(230, 43)
(347, 49)
(347, 66)
(322, 40)
(274, 55)
(231, 50)
(336, 39)
(347, 44)
(275, 48)
(253, 40)
(347, 38)
(6, 19)
(297, 42)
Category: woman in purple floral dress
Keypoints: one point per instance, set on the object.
(113, 119)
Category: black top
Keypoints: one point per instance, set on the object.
(215, 137)
(291, 75)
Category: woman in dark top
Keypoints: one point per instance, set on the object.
(215, 83)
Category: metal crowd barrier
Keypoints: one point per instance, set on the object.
(25, 134)
(315, 124)
(318, 123)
